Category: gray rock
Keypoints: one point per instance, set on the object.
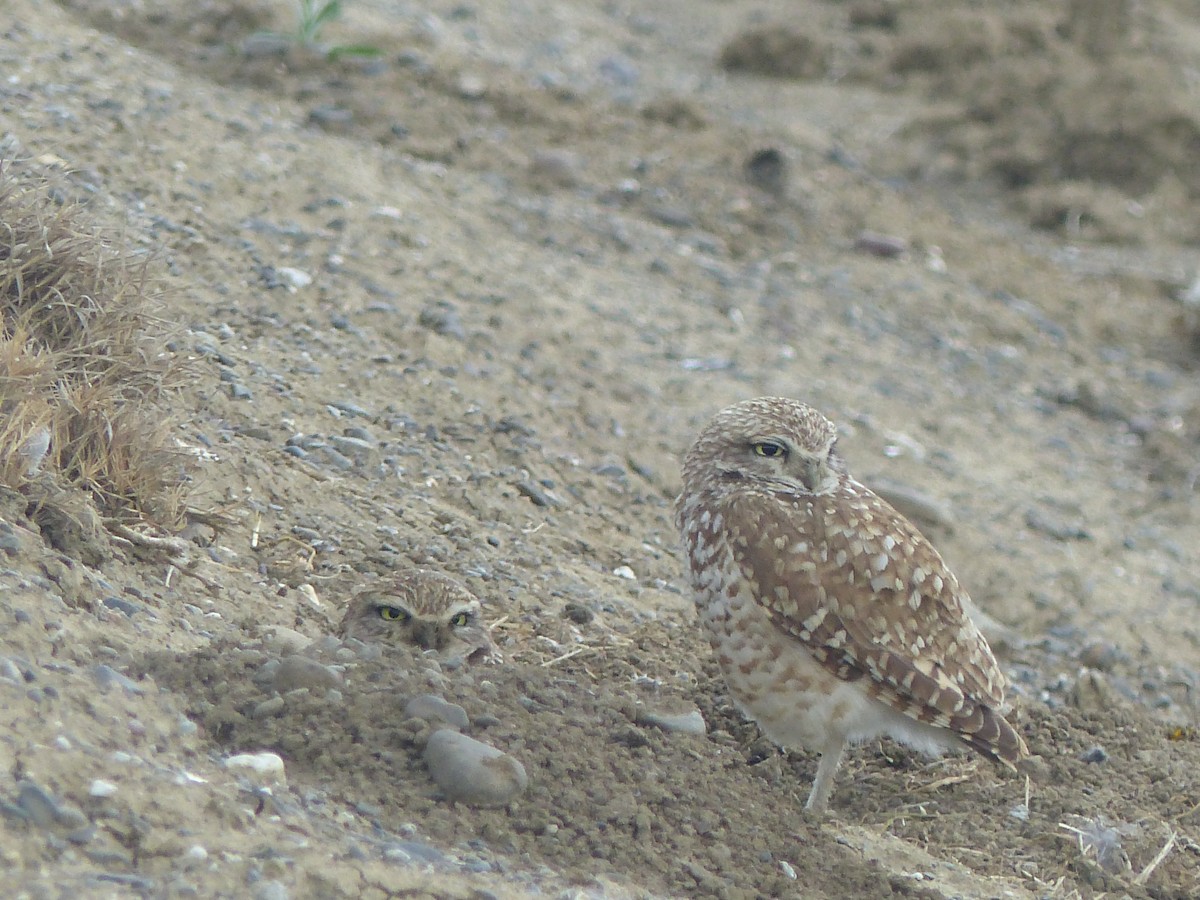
(472, 772)
(296, 672)
(433, 708)
(268, 708)
(107, 678)
(45, 810)
(679, 723)
(271, 890)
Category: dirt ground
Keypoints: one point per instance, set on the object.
(465, 304)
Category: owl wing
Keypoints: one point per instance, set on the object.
(869, 596)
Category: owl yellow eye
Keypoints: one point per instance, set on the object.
(394, 614)
(460, 620)
(770, 450)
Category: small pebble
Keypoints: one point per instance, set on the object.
(128, 607)
(577, 613)
(472, 772)
(9, 671)
(886, 246)
(349, 408)
(101, 788)
(270, 890)
(195, 853)
(1100, 655)
(107, 677)
(1056, 528)
(443, 319)
(355, 448)
(268, 766)
(295, 672)
(679, 723)
(45, 810)
(285, 641)
(268, 708)
(766, 169)
(295, 278)
(432, 708)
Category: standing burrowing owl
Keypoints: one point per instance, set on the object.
(833, 618)
(423, 609)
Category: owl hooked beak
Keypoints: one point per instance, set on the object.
(812, 474)
(430, 636)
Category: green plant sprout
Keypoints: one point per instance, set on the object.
(314, 15)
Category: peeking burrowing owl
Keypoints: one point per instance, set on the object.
(423, 609)
(833, 619)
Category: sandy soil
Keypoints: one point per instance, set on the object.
(517, 260)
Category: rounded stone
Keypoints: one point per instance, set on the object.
(301, 672)
(432, 708)
(472, 772)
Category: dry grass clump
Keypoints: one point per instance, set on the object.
(84, 368)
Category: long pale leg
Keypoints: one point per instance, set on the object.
(831, 759)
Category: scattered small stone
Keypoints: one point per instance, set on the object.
(297, 671)
(268, 708)
(671, 216)
(1101, 656)
(294, 278)
(537, 495)
(625, 572)
(359, 433)
(886, 246)
(271, 890)
(443, 318)
(1056, 528)
(196, 854)
(472, 87)
(1094, 755)
(107, 677)
(355, 448)
(472, 772)
(432, 708)
(679, 723)
(766, 169)
(10, 671)
(331, 117)
(128, 607)
(284, 640)
(577, 613)
(268, 766)
(101, 788)
(349, 408)
(555, 166)
(258, 432)
(45, 810)
(337, 459)
(239, 391)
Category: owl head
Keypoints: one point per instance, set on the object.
(425, 610)
(771, 442)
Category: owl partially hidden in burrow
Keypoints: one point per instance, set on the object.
(833, 619)
(425, 610)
